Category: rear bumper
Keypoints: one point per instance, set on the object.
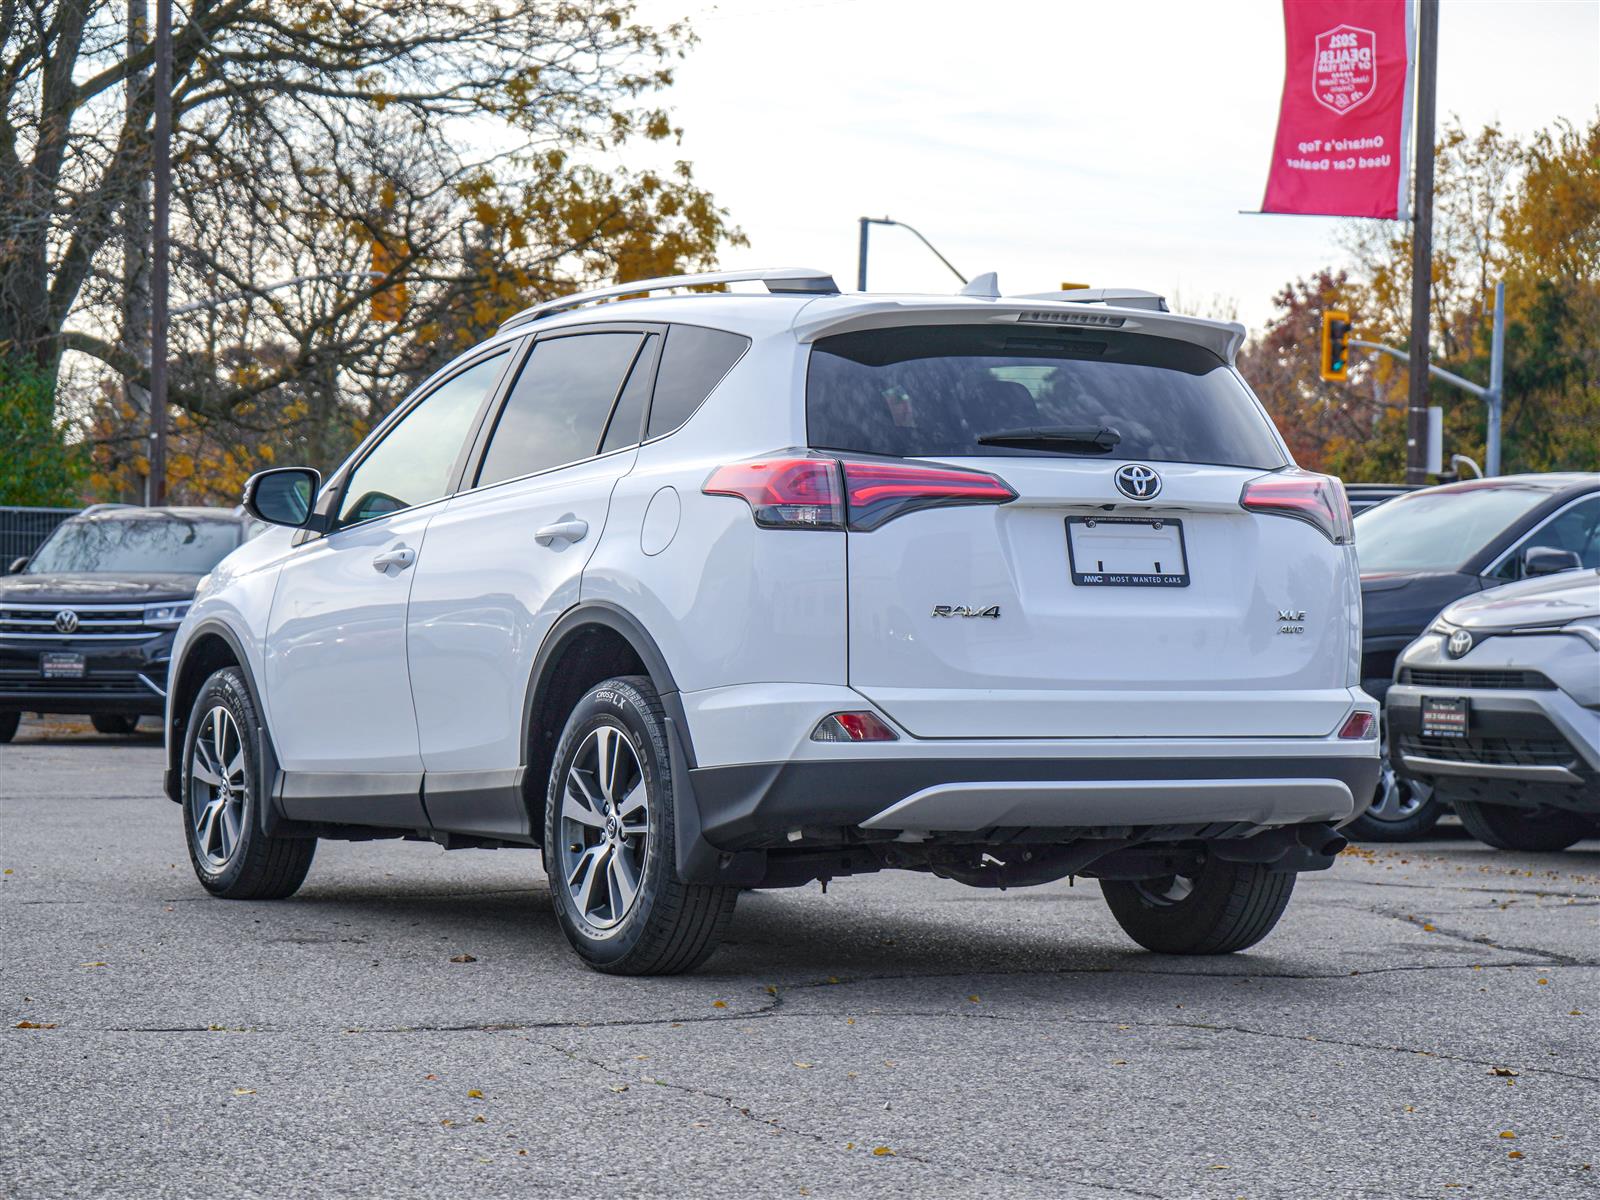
(1057, 796)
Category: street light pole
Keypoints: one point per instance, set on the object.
(1422, 241)
(861, 261)
(1497, 377)
(160, 248)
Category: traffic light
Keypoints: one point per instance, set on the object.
(1335, 345)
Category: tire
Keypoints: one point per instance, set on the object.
(231, 856)
(9, 721)
(1228, 906)
(1508, 827)
(604, 834)
(1402, 810)
(114, 724)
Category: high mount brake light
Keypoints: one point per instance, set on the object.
(1318, 500)
(792, 491)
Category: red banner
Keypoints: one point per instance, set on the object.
(1344, 125)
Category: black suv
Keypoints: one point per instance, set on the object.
(86, 623)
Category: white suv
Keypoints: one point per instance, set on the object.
(712, 591)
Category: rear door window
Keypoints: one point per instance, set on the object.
(559, 405)
(935, 391)
(693, 362)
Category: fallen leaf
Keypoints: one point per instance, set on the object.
(619, 1087)
(35, 1025)
(464, 958)
(1503, 1072)
(480, 1119)
(1508, 1135)
(92, 964)
(974, 999)
(849, 1145)
(474, 1094)
(804, 1066)
(1427, 928)
(771, 991)
(523, 1153)
(719, 1004)
(430, 1077)
(244, 1091)
(1542, 982)
(1514, 1154)
(880, 1151)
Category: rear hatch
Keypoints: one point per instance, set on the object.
(1076, 607)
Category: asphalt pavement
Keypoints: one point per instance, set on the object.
(1424, 1022)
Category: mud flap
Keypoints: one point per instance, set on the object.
(698, 861)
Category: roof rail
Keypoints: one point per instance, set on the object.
(777, 279)
(1120, 297)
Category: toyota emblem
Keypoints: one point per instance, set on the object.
(66, 621)
(1138, 482)
(1460, 642)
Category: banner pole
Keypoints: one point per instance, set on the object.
(1422, 242)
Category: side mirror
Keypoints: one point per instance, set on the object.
(16, 565)
(1546, 560)
(283, 496)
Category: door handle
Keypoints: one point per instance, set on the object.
(570, 530)
(400, 556)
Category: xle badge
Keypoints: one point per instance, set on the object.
(1291, 620)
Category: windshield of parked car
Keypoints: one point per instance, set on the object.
(147, 543)
(981, 390)
(1440, 529)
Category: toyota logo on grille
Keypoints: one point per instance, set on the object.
(1460, 642)
(66, 621)
(1138, 482)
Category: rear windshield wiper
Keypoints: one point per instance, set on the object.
(1083, 439)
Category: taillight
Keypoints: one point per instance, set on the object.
(794, 491)
(878, 492)
(1315, 499)
(785, 492)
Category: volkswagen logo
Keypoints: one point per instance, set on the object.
(1460, 642)
(1138, 482)
(66, 621)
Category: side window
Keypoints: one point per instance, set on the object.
(693, 362)
(559, 404)
(1577, 529)
(628, 420)
(412, 464)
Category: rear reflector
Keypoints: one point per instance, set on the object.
(853, 727)
(1359, 726)
(786, 492)
(792, 490)
(1318, 500)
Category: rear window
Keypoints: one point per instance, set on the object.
(934, 391)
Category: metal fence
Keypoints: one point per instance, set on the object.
(23, 529)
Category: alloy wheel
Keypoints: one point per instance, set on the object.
(605, 828)
(217, 788)
(1397, 799)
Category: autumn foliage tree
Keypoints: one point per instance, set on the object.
(1527, 213)
(475, 152)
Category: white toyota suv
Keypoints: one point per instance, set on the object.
(718, 590)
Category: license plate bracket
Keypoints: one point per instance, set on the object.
(61, 664)
(1127, 552)
(1445, 716)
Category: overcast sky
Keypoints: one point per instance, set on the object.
(1110, 142)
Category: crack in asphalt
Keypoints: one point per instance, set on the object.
(826, 1142)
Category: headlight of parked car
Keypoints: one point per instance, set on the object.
(166, 616)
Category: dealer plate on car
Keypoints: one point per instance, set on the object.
(1127, 552)
(58, 664)
(1444, 716)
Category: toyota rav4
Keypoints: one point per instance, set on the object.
(712, 591)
